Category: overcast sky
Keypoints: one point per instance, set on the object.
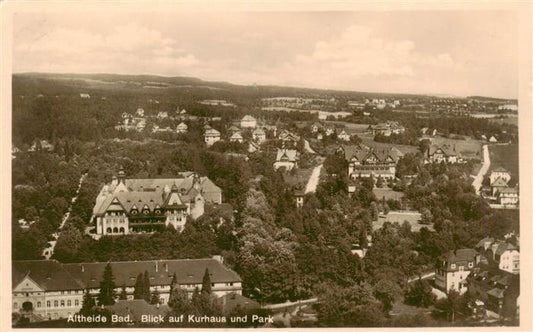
(436, 52)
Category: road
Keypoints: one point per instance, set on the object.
(313, 179)
(478, 180)
(49, 250)
(424, 276)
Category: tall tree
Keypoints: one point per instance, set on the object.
(107, 287)
(88, 304)
(206, 283)
(179, 300)
(139, 287)
(146, 287)
(123, 295)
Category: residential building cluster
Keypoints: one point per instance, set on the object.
(489, 273)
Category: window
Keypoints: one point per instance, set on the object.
(76, 303)
(38, 304)
(56, 303)
(146, 211)
(69, 303)
(62, 303)
(453, 266)
(470, 264)
(48, 304)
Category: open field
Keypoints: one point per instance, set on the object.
(412, 217)
(505, 156)
(467, 148)
(387, 193)
(378, 145)
(513, 120)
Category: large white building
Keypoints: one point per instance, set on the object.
(453, 268)
(127, 206)
(48, 289)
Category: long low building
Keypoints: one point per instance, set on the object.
(49, 289)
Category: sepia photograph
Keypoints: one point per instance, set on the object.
(265, 166)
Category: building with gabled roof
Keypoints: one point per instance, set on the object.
(442, 154)
(453, 267)
(508, 196)
(236, 137)
(500, 173)
(498, 185)
(211, 136)
(497, 290)
(127, 206)
(364, 161)
(343, 135)
(49, 289)
(182, 128)
(287, 158)
(259, 135)
(248, 121)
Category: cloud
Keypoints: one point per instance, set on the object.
(126, 48)
(357, 55)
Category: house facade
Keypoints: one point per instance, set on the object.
(453, 268)
(182, 128)
(127, 206)
(52, 290)
(442, 154)
(236, 137)
(500, 173)
(211, 136)
(248, 121)
(287, 158)
(259, 135)
(364, 161)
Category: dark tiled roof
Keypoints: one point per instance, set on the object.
(460, 255)
(499, 182)
(48, 274)
(188, 271)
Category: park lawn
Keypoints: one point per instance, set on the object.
(467, 148)
(505, 156)
(405, 149)
(412, 218)
(388, 194)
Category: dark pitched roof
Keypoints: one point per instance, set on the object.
(499, 182)
(459, 255)
(48, 274)
(188, 271)
(500, 169)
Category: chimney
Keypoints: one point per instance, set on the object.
(156, 267)
(219, 259)
(114, 180)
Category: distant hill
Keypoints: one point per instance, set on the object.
(106, 81)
